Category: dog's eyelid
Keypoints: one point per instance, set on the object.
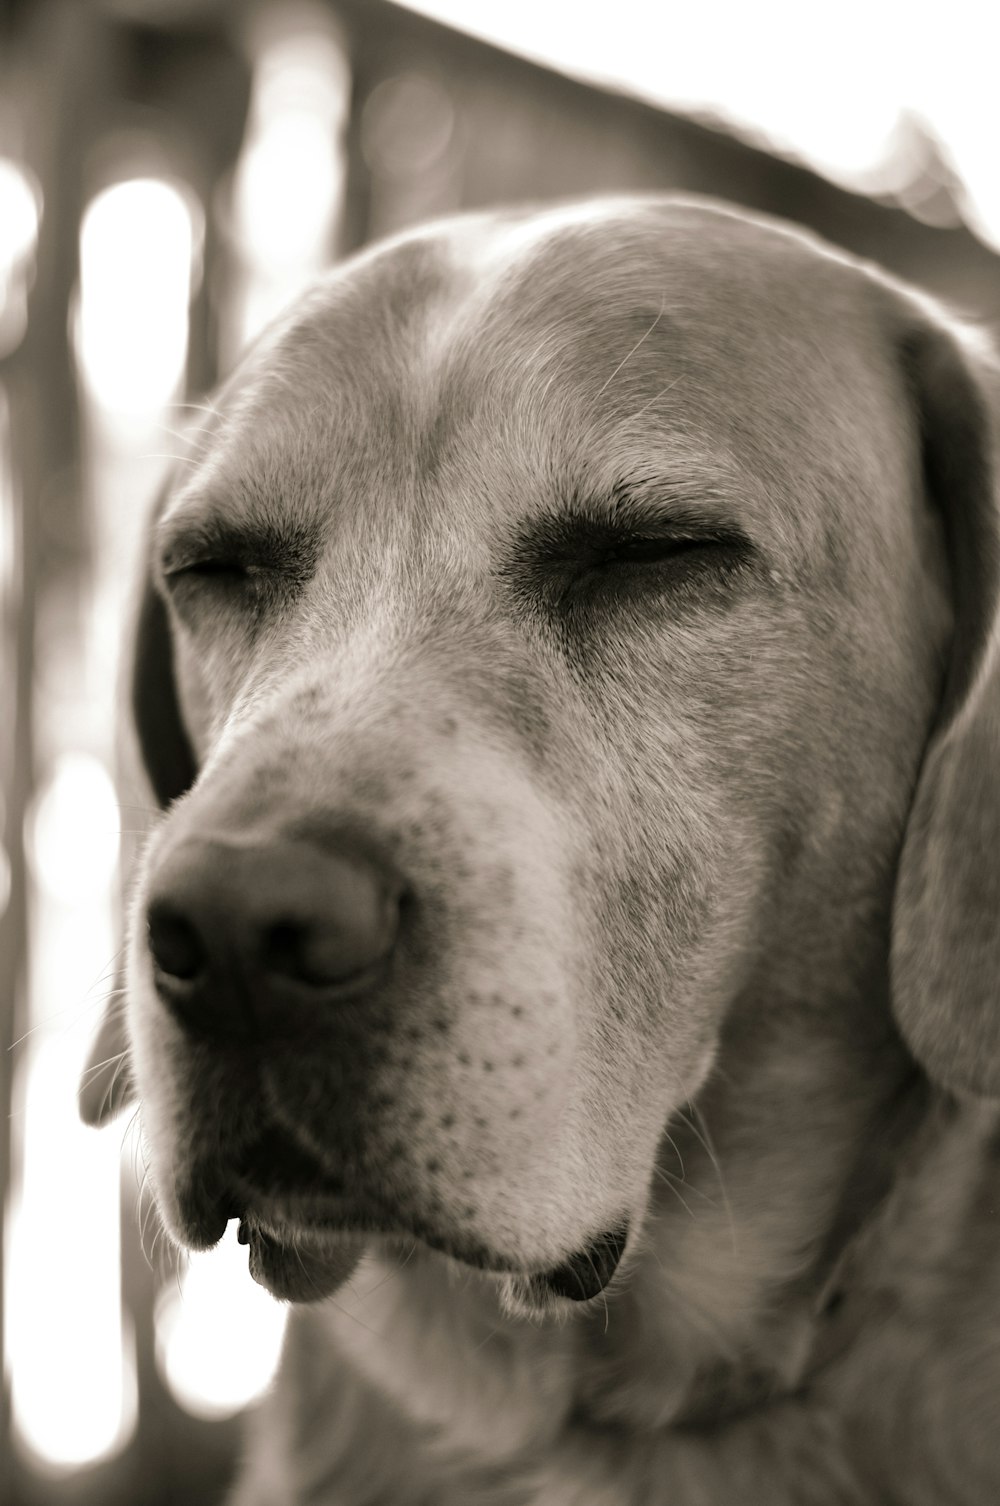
(578, 532)
(620, 547)
(183, 547)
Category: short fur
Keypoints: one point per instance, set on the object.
(705, 851)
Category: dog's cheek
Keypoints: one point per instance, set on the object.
(677, 883)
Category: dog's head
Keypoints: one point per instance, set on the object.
(538, 658)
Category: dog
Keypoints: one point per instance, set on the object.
(567, 666)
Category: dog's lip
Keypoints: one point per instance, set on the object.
(205, 1205)
(302, 1248)
(587, 1272)
(280, 1190)
(296, 1266)
(301, 1220)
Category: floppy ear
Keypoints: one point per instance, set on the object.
(106, 1084)
(946, 923)
(162, 740)
(169, 765)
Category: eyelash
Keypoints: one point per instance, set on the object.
(208, 569)
(641, 549)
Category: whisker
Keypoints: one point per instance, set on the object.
(483, 1342)
(669, 1180)
(394, 1271)
(32, 1030)
(676, 1150)
(652, 400)
(703, 1135)
(89, 1073)
(209, 408)
(632, 352)
(77, 1011)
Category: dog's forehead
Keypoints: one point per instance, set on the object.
(563, 349)
(482, 304)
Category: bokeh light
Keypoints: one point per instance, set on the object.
(137, 246)
(218, 1334)
(69, 1349)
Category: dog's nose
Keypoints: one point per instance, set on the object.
(243, 935)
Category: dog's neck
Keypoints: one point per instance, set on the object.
(785, 1156)
(760, 1188)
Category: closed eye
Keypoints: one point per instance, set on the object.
(218, 578)
(205, 567)
(212, 569)
(216, 588)
(243, 590)
(250, 570)
(616, 567)
(641, 550)
(581, 559)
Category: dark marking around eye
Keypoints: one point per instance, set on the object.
(215, 569)
(617, 549)
(219, 546)
(252, 567)
(219, 567)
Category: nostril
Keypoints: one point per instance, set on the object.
(174, 943)
(317, 954)
(285, 949)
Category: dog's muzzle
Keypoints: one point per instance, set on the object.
(254, 946)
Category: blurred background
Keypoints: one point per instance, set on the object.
(171, 173)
